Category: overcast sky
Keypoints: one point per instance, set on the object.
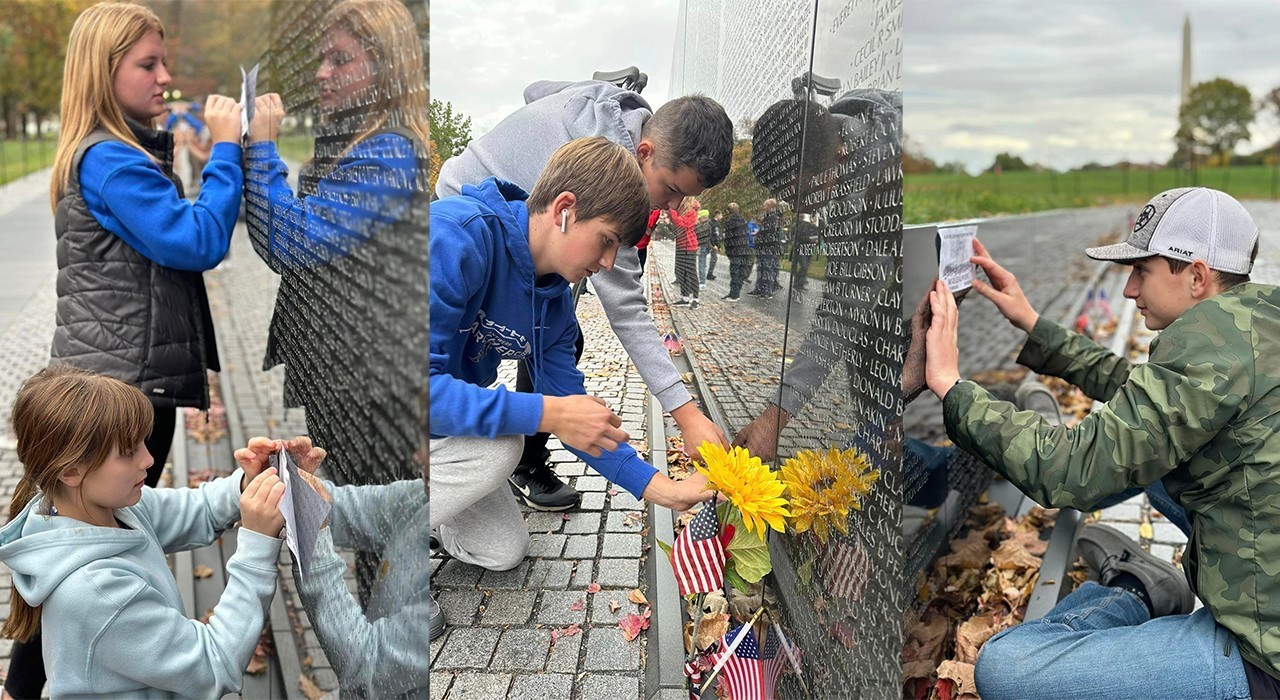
(1067, 82)
(484, 53)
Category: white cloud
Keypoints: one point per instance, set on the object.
(1080, 81)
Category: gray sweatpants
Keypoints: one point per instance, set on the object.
(472, 507)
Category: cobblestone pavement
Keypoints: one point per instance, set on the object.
(499, 640)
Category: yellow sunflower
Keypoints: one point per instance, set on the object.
(823, 487)
(749, 485)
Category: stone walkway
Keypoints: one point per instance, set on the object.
(499, 641)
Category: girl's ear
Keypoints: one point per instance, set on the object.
(72, 477)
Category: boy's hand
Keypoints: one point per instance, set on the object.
(260, 504)
(696, 429)
(582, 422)
(268, 112)
(1003, 291)
(677, 495)
(942, 353)
(222, 115)
(254, 458)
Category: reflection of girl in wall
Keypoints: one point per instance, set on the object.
(350, 316)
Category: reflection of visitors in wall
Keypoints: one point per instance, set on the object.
(349, 322)
(500, 275)
(856, 321)
(737, 248)
(708, 244)
(685, 222)
(768, 246)
(682, 148)
(1202, 415)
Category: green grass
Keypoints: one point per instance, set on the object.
(18, 158)
(817, 267)
(296, 148)
(946, 196)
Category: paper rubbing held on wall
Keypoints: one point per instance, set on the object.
(304, 510)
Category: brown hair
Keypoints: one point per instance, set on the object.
(692, 131)
(100, 38)
(64, 417)
(605, 178)
(1224, 280)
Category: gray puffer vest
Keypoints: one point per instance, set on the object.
(119, 313)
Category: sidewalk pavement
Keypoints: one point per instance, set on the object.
(499, 643)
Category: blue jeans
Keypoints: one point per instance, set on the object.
(1099, 643)
(1160, 500)
(703, 268)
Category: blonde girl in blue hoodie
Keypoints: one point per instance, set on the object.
(86, 543)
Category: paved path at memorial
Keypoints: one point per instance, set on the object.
(499, 641)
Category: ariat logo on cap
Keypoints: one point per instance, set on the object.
(1147, 212)
(1181, 251)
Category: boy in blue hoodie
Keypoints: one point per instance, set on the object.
(500, 275)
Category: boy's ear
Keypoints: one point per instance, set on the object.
(564, 202)
(644, 150)
(1201, 279)
(71, 477)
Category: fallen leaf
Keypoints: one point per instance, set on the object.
(593, 588)
(613, 492)
(201, 571)
(632, 625)
(637, 597)
(711, 628)
(569, 631)
(578, 605)
(309, 688)
(955, 681)
(1146, 531)
(614, 605)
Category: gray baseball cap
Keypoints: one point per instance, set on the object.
(1190, 223)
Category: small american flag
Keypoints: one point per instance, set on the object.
(846, 567)
(751, 673)
(698, 555)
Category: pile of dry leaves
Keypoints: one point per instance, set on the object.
(976, 590)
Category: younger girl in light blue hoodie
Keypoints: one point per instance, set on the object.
(86, 543)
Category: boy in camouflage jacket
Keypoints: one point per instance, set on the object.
(1202, 415)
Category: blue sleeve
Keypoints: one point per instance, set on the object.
(372, 186)
(131, 197)
(459, 271)
(184, 519)
(561, 377)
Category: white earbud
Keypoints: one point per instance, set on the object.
(564, 221)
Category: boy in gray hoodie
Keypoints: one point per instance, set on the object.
(683, 148)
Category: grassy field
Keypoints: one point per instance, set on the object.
(948, 197)
(297, 148)
(17, 158)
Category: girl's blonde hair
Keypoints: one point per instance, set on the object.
(99, 40)
(65, 417)
(387, 31)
